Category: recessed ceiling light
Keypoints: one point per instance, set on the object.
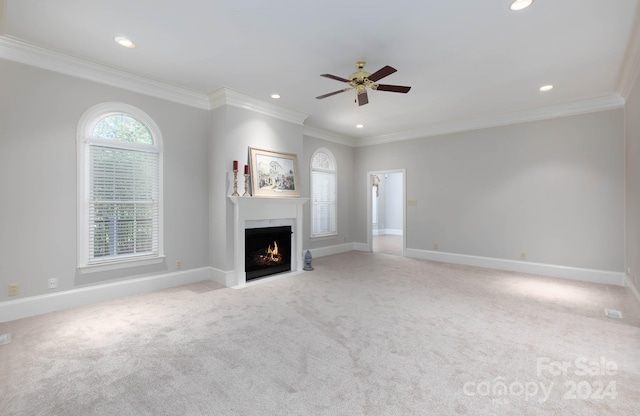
(520, 4)
(127, 43)
(275, 96)
(546, 88)
(359, 126)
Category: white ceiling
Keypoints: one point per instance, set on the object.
(464, 59)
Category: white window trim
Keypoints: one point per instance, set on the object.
(334, 171)
(85, 127)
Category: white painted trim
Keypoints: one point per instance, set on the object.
(29, 54)
(361, 247)
(632, 287)
(115, 265)
(267, 279)
(601, 103)
(329, 250)
(225, 278)
(631, 62)
(227, 96)
(329, 136)
(51, 302)
(573, 273)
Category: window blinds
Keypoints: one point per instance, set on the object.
(123, 203)
(324, 218)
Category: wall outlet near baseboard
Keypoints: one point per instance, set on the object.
(5, 339)
(52, 283)
(435, 246)
(523, 256)
(178, 264)
(14, 289)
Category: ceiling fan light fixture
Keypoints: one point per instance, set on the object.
(124, 41)
(520, 4)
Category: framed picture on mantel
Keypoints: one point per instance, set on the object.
(274, 174)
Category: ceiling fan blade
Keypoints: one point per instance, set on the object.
(363, 98)
(381, 73)
(337, 78)
(332, 93)
(393, 88)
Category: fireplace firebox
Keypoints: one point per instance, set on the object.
(267, 251)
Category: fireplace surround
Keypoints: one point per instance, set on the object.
(261, 212)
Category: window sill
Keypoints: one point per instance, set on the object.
(120, 264)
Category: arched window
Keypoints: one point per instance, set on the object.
(119, 188)
(324, 203)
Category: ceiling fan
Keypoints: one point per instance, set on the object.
(360, 81)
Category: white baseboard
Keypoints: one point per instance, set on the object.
(36, 305)
(227, 279)
(361, 246)
(330, 250)
(387, 231)
(632, 287)
(573, 273)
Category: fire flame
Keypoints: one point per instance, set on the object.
(273, 252)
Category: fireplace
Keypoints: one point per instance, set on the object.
(259, 212)
(267, 251)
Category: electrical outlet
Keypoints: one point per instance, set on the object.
(412, 202)
(52, 283)
(14, 289)
(435, 246)
(5, 339)
(523, 256)
(178, 264)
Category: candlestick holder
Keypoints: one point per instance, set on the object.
(235, 183)
(246, 185)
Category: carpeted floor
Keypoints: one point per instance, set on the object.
(363, 334)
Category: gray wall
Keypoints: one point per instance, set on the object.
(553, 189)
(632, 124)
(39, 114)
(233, 131)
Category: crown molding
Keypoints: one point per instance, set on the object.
(227, 96)
(631, 63)
(601, 103)
(329, 136)
(29, 54)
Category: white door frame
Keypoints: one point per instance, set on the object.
(369, 207)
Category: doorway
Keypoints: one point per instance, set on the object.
(386, 212)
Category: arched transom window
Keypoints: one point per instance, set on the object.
(119, 186)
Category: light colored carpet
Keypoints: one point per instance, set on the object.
(363, 334)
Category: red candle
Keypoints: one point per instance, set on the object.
(235, 165)
(246, 169)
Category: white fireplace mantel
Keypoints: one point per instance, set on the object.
(268, 211)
